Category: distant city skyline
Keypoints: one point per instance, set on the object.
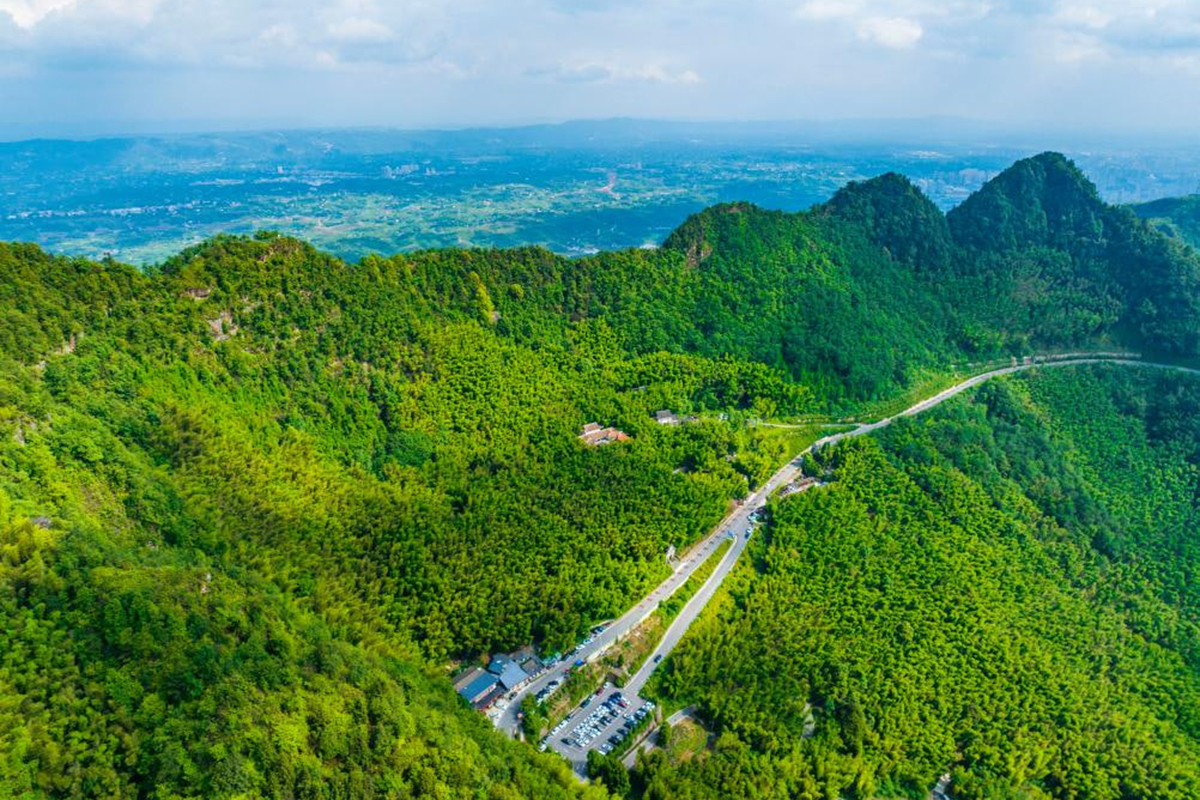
(79, 68)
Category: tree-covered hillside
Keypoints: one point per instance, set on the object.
(1003, 590)
(1044, 252)
(251, 499)
(862, 294)
(255, 499)
(1178, 217)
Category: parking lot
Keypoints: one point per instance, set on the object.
(603, 722)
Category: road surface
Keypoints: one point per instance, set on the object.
(507, 721)
(738, 522)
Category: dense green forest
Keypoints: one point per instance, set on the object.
(1004, 589)
(1178, 217)
(211, 518)
(255, 499)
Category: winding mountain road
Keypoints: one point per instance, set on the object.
(738, 522)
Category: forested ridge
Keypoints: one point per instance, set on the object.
(253, 500)
(1003, 590)
(1178, 217)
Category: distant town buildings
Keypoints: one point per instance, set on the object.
(592, 434)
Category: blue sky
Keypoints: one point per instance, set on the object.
(80, 67)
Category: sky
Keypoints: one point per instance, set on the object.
(91, 67)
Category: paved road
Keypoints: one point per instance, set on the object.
(506, 720)
(738, 521)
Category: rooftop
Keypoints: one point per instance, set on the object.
(594, 435)
(479, 687)
(512, 676)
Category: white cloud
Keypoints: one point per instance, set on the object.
(1067, 47)
(281, 35)
(27, 13)
(658, 73)
(822, 10)
(895, 32)
(478, 60)
(358, 29)
(596, 71)
(1083, 17)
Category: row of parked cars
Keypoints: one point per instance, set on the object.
(555, 731)
(548, 690)
(631, 721)
(596, 631)
(596, 723)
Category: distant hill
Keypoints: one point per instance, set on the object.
(1034, 259)
(354, 192)
(1178, 217)
(1039, 236)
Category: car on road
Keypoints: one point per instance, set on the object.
(586, 702)
(658, 658)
